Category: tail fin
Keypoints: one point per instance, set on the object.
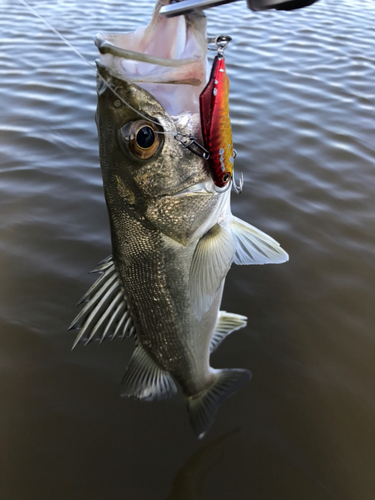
(203, 408)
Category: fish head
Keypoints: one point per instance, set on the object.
(149, 84)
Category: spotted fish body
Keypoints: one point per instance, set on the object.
(173, 235)
(215, 122)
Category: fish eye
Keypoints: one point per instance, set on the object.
(226, 177)
(143, 138)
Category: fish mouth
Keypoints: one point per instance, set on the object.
(166, 57)
(202, 188)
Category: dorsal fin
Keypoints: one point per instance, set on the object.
(106, 313)
(144, 379)
(226, 324)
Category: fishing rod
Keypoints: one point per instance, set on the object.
(179, 7)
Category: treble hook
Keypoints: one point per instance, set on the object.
(238, 187)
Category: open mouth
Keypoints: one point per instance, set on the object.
(168, 53)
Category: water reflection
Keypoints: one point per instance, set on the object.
(190, 481)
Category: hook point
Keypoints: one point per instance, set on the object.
(238, 187)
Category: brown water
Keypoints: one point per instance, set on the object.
(303, 112)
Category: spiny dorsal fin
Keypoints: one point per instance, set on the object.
(211, 261)
(204, 407)
(145, 380)
(226, 324)
(255, 247)
(106, 313)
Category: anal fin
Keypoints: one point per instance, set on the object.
(144, 379)
(204, 407)
(226, 324)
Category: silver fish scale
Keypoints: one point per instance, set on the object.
(140, 261)
(180, 217)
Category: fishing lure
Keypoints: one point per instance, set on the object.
(215, 121)
(214, 109)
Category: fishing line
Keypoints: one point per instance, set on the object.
(186, 141)
(92, 65)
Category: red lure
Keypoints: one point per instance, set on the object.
(215, 122)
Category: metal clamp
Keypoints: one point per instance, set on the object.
(190, 142)
(178, 7)
(221, 43)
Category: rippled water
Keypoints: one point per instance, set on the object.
(303, 114)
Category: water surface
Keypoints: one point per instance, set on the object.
(303, 114)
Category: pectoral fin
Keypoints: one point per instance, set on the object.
(255, 247)
(145, 380)
(106, 313)
(212, 259)
(226, 324)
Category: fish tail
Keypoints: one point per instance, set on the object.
(204, 407)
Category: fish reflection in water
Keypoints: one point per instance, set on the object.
(189, 482)
(174, 237)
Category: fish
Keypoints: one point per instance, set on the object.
(174, 237)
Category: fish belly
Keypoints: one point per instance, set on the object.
(155, 271)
